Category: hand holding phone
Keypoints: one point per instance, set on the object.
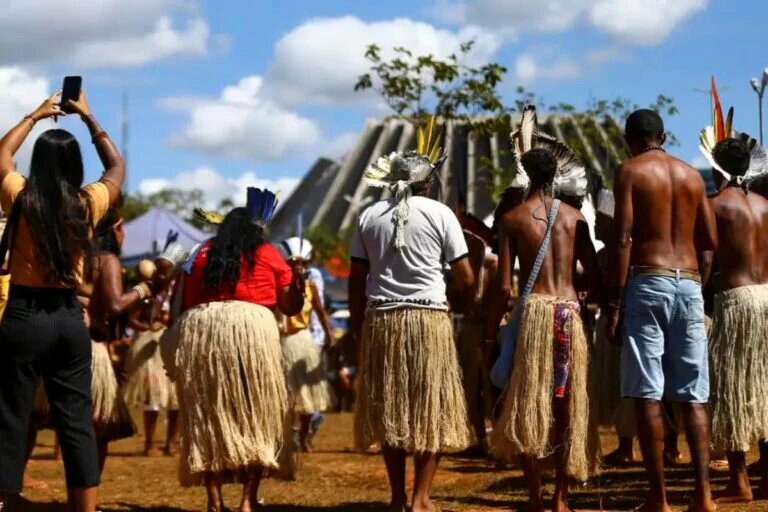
(70, 91)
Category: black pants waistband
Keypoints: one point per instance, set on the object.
(43, 296)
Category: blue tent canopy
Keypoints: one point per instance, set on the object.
(142, 234)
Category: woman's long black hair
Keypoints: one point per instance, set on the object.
(52, 207)
(235, 242)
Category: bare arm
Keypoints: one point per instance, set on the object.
(358, 278)
(110, 284)
(322, 314)
(114, 166)
(706, 238)
(623, 222)
(13, 140)
(290, 299)
(501, 286)
(587, 256)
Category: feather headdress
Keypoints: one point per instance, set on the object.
(721, 129)
(398, 171)
(571, 177)
(260, 205)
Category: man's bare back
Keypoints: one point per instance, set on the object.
(742, 224)
(525, 227)
(664, 208)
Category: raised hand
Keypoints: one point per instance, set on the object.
(48, 108)
(80, 106)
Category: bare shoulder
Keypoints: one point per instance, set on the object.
(691, 174)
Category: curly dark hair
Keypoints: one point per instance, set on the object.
(235, 242)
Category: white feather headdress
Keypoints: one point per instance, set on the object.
(398, 171)
(721, 129)
(571, 177)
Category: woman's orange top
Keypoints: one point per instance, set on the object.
(26, 268)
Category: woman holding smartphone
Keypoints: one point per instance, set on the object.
(42, 333)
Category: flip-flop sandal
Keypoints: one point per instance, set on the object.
(719, 466)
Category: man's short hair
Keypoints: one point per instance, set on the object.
(540, 165)
(644, 125)
(733, 156)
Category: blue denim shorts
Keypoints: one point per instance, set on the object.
(665, 351)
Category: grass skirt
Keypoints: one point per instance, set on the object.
(111, 417)
(410, 394)
(232, 390)
(526, 423)
(739, 368)
(307, 385)
(148, 384)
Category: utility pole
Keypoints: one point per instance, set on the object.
(124, 138)
(708, 92)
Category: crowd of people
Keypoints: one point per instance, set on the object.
(515, 343)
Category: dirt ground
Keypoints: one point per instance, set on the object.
(338, 480)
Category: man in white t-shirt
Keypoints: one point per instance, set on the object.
(410, 397)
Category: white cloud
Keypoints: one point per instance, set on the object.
(217, 187)
(99, 33)
(527, 69)
(162, 43)
(700, 162)
(242, 123)
(643, 22)
(513, 15)
(319, 61)
(22, 92)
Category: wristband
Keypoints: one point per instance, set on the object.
(138, 289)
(29, 117)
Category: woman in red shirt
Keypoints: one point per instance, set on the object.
(228, 364)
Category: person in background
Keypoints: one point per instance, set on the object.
(43, 332)
(304, 368)
(410, 397)
(228, 364)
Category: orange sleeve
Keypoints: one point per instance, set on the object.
(96, 197)
(12, 184)
(283, 273)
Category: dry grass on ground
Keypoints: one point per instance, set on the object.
(336, 480)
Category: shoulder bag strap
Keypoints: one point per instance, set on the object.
(543, 248)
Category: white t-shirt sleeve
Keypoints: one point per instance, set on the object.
(357, 248)
(454, 244)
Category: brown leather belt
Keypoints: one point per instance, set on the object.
(667, 272)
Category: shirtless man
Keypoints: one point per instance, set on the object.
(738, 336)
(551, 336)
(665, 234)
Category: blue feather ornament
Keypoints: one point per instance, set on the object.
(261, 205)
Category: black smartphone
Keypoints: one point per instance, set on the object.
(70, 91)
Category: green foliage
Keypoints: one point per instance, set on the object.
(415, 87)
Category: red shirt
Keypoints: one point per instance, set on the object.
(270, 272)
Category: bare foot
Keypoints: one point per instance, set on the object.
(152, 452)
(170, 451)
(32, 483)
(618, 458)
(703, 507)
(672, 459)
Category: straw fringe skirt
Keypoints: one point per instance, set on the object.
(526, 422)
(148, 383)
(410, 394)
(739, 368)
(307, 385)
(232, 390)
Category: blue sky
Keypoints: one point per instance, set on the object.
(228, 93)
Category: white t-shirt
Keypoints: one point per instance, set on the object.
(412, 276)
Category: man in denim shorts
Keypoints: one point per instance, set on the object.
(665, 235)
